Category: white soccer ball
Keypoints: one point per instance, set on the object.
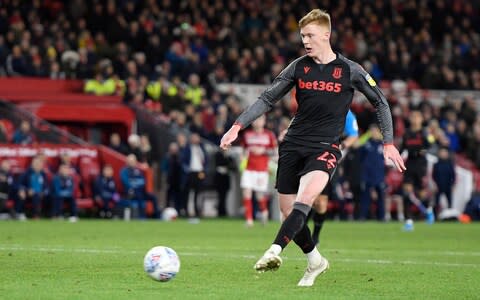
(169, 214)
(161, 263)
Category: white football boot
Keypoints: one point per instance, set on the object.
(312, 272)
(268, 262)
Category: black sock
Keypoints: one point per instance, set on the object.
(304, 240)
(293, 224)
(318, 220)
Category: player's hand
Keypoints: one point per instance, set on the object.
(230, 136)
(390, 153)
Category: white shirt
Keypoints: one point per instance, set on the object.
(197, 159)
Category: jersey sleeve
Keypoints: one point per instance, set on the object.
(363, 82)
(351, 125)
(283, 83)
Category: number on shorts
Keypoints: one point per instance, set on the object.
(329, 158)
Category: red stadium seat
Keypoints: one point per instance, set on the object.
(19, 164)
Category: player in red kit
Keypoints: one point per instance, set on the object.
(259, 144)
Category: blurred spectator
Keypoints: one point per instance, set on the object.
(133, 181)
(172, 167)
(373, 174)
(66, 159)
(3, 134)
(106, 192)
(194, 92)
(6, 188)
(224, 165)
(23, 135)
(145, 154)
(194, 164)
(444, 176)
(33, 187)
(117, 144)
(134, 145)
(63, 189)
(197, 125)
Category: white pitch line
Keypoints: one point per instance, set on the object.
(233, 256)
(326, 250)
(415, 252)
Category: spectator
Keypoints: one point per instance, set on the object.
(117, 144)
(6, 188)
(145, 154)
(105, 192)
(444, 176)
(194, 164)
(134, 145)
(63, 189)
(172, 167)
(133, 182)
(224, 165)
(373, 174)
(194, 92)
(3, 134)
(23, 135)
(33, 186)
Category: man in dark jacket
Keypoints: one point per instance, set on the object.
(373, 174)
(6, 187)
(133, 181)
(63, 191)
(194, 164)
(33, 186)
(106, 193)
(444, 176)
(172, 167)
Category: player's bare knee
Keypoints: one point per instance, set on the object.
(307, 198)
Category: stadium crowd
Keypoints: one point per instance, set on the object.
(434, 43)
(169, 56)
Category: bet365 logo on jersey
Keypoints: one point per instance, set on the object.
(320, 85)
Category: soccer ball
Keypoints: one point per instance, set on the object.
(169, 214)
(161, 263)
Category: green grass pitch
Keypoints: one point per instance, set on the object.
(104, 260)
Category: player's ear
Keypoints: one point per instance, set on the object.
(327, 35)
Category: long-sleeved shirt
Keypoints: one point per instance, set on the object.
(324, 93)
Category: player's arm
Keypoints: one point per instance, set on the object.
(280, 86)
(363, 82)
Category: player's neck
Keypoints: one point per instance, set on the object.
(325, 56)
(258, 130)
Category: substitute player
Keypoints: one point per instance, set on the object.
(416, 143)
(325, 82)
(259, 144)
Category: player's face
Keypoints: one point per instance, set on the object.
(314, 37)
